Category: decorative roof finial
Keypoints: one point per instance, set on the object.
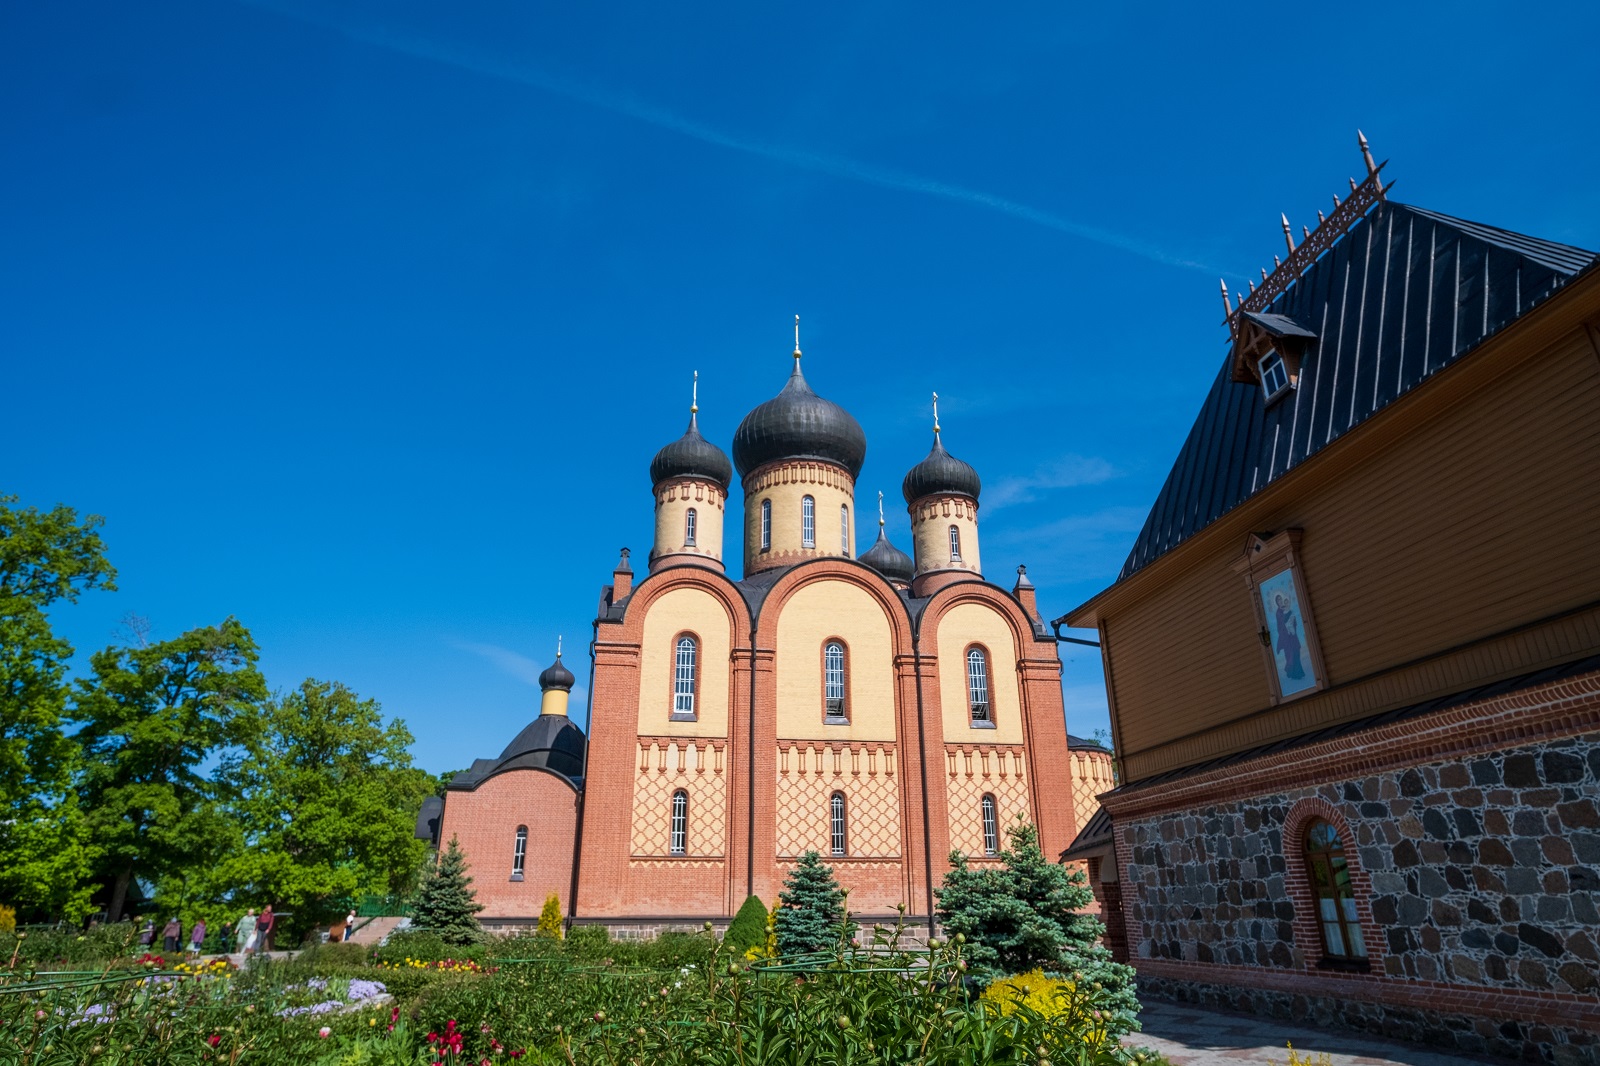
(936, 414)
(1226, 306)
(694, 402)
(880, 508)
(1305, 232)
(558, 645)
(1288, 234)
(1366, 153)
(797, 337)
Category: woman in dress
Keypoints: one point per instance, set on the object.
(245, 932)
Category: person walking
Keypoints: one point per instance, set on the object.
(170, 936)
(264, 929)
(197, 938)
(147, 935)
(349, 926)
(245, 933)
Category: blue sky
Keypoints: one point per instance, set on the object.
(361, 321)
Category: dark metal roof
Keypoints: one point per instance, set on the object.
(940, 474)
(1080, 744)
(691, 455)
(799, 424)
(549, 742)
(1398, 298)
(556, 676)
(888, 560)
(1095, 834)
(1277, 325)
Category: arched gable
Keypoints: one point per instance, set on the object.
(667, 606)
(973, 615)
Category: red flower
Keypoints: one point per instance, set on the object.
(214, 1039)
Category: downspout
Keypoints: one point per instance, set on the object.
(922, 751)
(588, 740)
(750, 787)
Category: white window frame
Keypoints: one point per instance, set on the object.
(678, 843)
(978, 694)
(844, 528)
(991, 826)
(808, 522)
(685, 676)
(690, 521)
(766, 525)
(519, 853)
(955, 544)
(838, 840)
(1274, 373)
(833, 682)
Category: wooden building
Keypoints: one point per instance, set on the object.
(1353, 660)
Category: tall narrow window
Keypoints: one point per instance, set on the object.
(991, 827)
(685, 664)
(833, 706)
(519, 854)
(836, 821)
(955, 544)
(679, 844)
(844, 528)
(688, 528)
(766, 525)
(808, 522)
(1336, 899)
(978, 684)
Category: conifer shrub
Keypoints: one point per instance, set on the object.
(447, 906)
(748, 928)
(550, 919)
(812, 916)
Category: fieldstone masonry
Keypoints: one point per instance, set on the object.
(1480, 873)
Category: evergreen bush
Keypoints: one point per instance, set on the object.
(749, 927)
(813, 916)
(550, 919)
(446, 904)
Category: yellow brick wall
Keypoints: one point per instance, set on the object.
(970, 772)
(698, 768)
(816, 612)
(696, 611)
(809, 775)
(673, 501)
(977, 623)
(931, 520)
(785, 484)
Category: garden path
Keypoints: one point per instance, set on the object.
(1204, 1036)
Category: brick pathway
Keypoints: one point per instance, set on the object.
(1202, 1036)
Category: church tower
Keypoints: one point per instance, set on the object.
(942, 495)
(799, 456)
(691, 477)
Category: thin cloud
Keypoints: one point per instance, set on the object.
(805, 159)
(1087, 547)
(505, 660)
(1069, 471)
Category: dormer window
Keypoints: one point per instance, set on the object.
(1274, 375)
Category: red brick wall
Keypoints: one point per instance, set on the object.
(485, 822)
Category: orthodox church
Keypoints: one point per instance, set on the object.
(880, 708)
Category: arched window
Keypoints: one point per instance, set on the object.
(991, 827)
(833, 705)
(844, 528)
(519, 854)
(688, 528)
(766, 525)
(955, 544)
(685, 677)
(978, 684)
(808, 522)
(679, 844)
(836, 822)
(1336, 900)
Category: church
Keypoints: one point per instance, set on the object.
(879, 708)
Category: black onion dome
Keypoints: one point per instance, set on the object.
(799, 424)
(691, 455)
(940, 474)
(556, 676)
(888, 560)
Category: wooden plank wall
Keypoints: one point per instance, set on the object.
(1484, 517)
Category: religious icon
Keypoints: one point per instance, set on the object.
(1280, 603)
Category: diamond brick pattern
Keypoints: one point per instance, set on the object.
(810, 773)
(664, 767)
(973, 771)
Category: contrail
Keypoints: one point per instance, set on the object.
(831, 165)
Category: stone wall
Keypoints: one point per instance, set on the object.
(1477, 873)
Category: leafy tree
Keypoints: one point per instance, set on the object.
(46, 558)
(150, 718)
(748, 928)
(550, 919)
(324, 796)
(446, 904)
(1028, 915)
(812, 917)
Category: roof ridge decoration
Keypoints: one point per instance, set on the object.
(1363, 197)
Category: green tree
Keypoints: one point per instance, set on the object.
(550, 919)
(151, 718)
(46, 558)
(446, 904)
(748, 928)
(812, 916)
(1029, 915)
(325, 798)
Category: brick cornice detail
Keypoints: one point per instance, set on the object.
(1561, 708)
(1565, 1009)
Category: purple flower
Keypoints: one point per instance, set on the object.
(361, 989)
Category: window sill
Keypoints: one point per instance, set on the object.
(1329, 962)
(516, 877)
(983, 725)
(831, 720)
(676, 717)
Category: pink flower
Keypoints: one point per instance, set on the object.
(324, 1032)
(214, 1039)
